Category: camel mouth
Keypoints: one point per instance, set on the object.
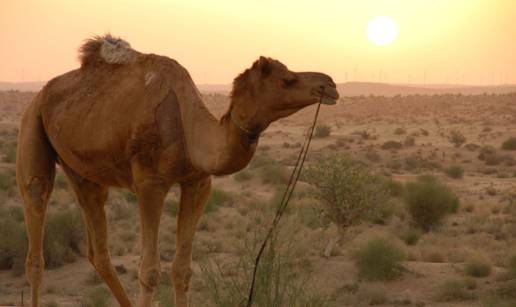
(328, 100)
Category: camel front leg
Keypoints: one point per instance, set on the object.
(151, 194)
(193, 199)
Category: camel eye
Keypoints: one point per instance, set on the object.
(287, 82)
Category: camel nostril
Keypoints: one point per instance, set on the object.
(322, 87)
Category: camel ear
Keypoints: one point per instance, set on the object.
(263, 65)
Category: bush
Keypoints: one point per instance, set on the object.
(171, 207)
(391, 145)
(477, 267)
(97, 297)
(282, 277)
(64, 233)
(429, 201)
(454, 171)
(243, 176)
(9, 151)
(399, 131)
(411, 236)
(274, 173)
(165, 296)
(13, 245)
(322, 131)
(7, 180)
(347, 190)
(512, 266)
(395, 187)
(379, 259)
(455, 290)
(456, 138)
(216, 199)
(509, 144)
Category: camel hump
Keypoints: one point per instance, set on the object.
(105, 49)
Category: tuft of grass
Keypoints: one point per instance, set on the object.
(165, 296)
(399, 131)
(429, 201)
(96, 297)
(9, 151)
(217, 199)
(456, 138)
(171, 207)
(379, 259)
(455, 290)
(243, 176)
(7, 180)
(454, 171)
(477, 267)
(509, 144)
(64, 233)
(411, 236)
(322, 131)
(13, 245)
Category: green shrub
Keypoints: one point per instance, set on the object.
(512, 266)
(165, 296)
(64, 232)
(456, 138)
(216, 199)
(171, 207)
(454, 171)
(455, 290)
(379, 259)
(509, 144)
(477, 267)
(282, 278)
(9, 151)
(13, 244)
(243, 176)
(274, 174)
(322, 131)
(395, 187)
(411, 236)
(391, 145)
(96, 297)
(429, 201)
(349, 193)
(399, 131)
(7, 180)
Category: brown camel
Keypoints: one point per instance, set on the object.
(137, 121)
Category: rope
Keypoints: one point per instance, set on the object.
(294, 177)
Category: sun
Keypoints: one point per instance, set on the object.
(382, 30)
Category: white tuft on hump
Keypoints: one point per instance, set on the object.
(116, 51)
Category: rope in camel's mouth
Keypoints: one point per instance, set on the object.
(287, 194)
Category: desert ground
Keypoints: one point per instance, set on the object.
(465, 260)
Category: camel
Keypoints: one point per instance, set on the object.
(137, 121)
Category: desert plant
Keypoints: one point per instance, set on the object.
(391, 145)
(96, 297)
(347, 190)
(429, 201)
(455, 290)
(165, 296)
(9, 151)
(64, 232)
(399, 131)
(379, 259)
(280, 281)
(411, 236)
(7, 180)
(477, 267)
(274, 173)
(13, 244)
(322, 131)
(509, 144)
(216, 199)
(454, 171)
(243, 176)
(456, 138)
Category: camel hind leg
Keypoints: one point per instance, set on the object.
(35, 172)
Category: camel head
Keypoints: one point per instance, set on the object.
(269, 91)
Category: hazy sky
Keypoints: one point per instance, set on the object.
(448, 41)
